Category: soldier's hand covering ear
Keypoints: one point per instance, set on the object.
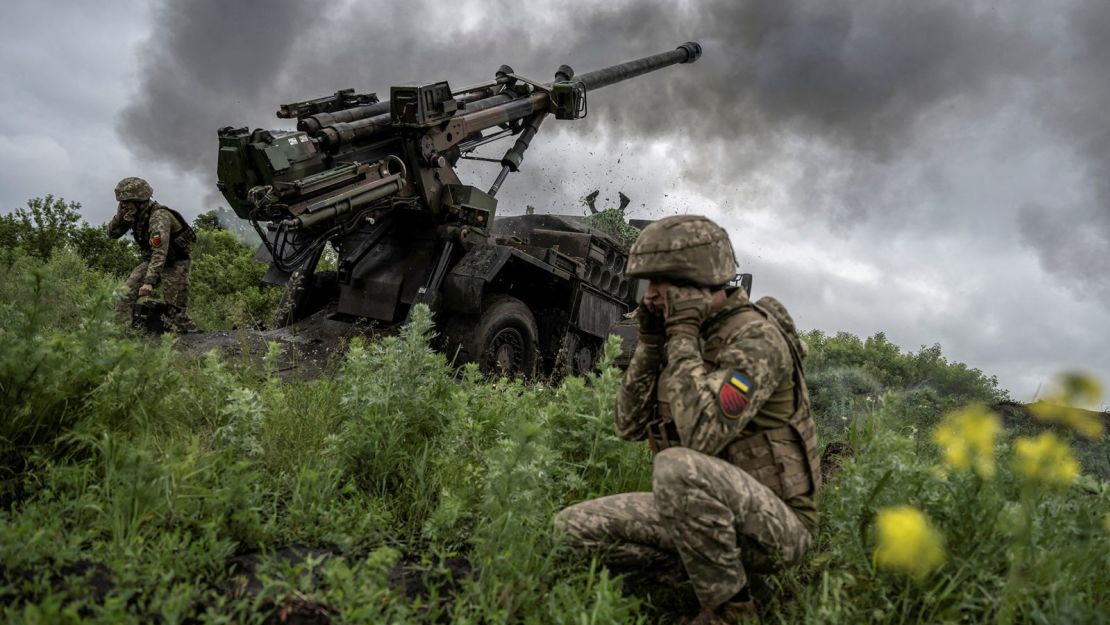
(652, 328)
(686, 308)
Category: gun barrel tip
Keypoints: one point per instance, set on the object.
(693, 51)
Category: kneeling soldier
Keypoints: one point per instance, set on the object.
(165, 239)
(716, 387)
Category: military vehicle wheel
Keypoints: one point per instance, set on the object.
(578, 355)
(298, 303)
(584, 359)
(503, 340)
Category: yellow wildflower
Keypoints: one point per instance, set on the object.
(1045, 460)
(908, 543)
(1073, 403)
(966, 438)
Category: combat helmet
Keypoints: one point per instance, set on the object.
(685, 248)
(133, 189)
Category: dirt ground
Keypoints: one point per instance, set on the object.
(309, 347)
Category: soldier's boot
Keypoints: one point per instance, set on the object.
(739, 610)
(181, 322)
(124, 310)
(731, 613)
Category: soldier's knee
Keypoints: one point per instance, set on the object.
(570, 528)
(670, 479)
(673, 467)
(570, 522)
(679, 476)
(562, 522)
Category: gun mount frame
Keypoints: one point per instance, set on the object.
(376, 180)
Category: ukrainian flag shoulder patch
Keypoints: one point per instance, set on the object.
(734, 395)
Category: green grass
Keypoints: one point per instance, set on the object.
(132, 476)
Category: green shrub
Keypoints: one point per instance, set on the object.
(955, 383)
(44, 226)
(50, 224)
(226, 288)
(60, 352)
(839, 394)
(103, 253)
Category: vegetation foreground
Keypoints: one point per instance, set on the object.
(141, 485)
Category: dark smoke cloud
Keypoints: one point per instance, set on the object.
(857, 72)
(848, 86)
(1073, 239)
(207, 61)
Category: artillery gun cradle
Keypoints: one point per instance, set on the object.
(376, 180)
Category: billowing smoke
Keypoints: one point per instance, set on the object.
(842, 89)
(208, 62)
(1073, 239)
(860, 72)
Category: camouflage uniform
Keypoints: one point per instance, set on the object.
(725, 407)
(165, 240)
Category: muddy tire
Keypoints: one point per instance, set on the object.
(579, 354)
(503, 340)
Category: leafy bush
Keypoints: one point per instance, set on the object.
(103, 253)
(44, 226)
(850, 379)
(49, 224)
(226, 288)
(955, 383)
(60, 351)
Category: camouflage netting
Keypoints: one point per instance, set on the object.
(612, 221)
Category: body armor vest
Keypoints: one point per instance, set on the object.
(182, 235)
(783, 458)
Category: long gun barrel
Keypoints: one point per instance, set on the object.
(685, 53)
(480, 114)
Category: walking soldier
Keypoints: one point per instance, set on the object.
(165, 240)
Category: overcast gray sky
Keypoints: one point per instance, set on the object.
(939, 170)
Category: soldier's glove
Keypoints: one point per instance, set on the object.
(687, 308)
(653, 331)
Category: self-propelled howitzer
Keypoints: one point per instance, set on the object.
(376, 179)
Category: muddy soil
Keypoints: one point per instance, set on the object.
(310, 347)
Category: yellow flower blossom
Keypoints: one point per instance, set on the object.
(1045, 460)
(908, 543)
(966, 438)
(1073, 403)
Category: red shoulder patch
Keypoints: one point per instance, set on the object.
(733, 396)
(155, 240)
